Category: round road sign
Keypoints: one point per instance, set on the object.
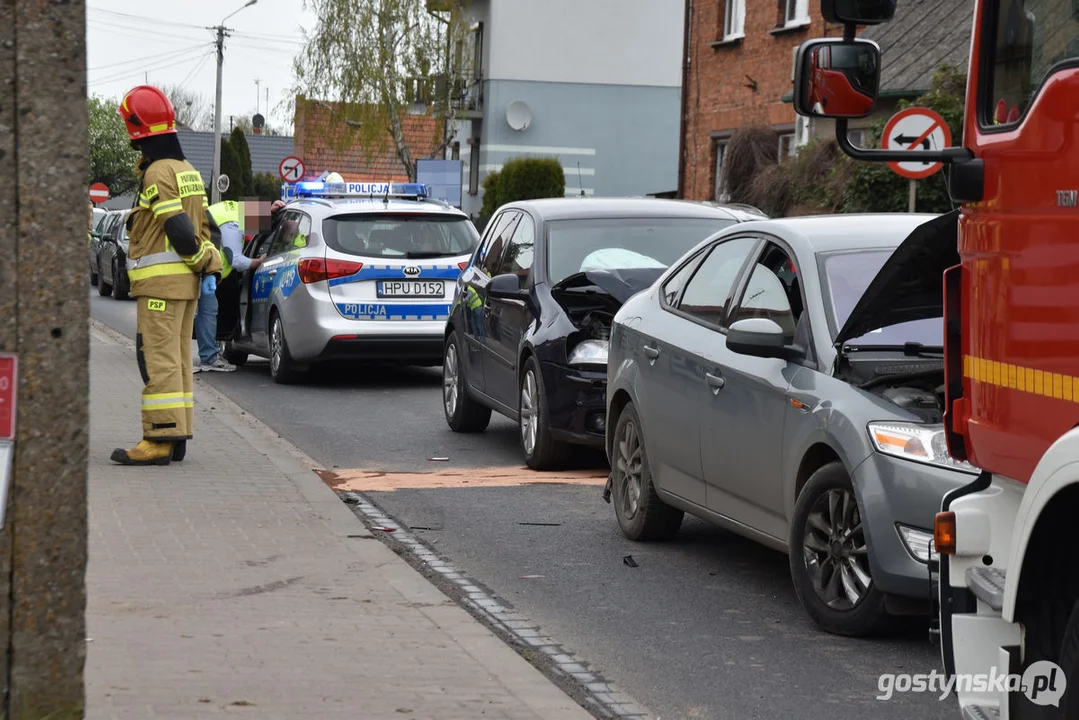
(99, 192)
(916, 129)
(291, 169)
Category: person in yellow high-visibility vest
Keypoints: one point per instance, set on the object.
(227, 236)
(171, 258)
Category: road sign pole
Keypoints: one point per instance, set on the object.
(913, 195)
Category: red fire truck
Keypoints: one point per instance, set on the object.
(1007, 545)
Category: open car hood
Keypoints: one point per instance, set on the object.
(910, 285)
(619, 285)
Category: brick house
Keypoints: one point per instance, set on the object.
(318, 129)
(738, 67)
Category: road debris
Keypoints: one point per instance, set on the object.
(628, 560)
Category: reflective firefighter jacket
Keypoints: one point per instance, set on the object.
(169, 187)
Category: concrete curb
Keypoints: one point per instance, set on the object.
(533, 690)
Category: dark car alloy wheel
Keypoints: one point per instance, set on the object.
(829, 557)
(835, 550)
(463, 414)
(641, 514)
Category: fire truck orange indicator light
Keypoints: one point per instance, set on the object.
(944, 533)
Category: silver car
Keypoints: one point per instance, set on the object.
(353, 271)
(765, 384)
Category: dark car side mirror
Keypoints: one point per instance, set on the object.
(506, 287)
(761, 337)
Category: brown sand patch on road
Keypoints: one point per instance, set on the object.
(379, 481)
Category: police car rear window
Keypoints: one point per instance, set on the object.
(401, 235)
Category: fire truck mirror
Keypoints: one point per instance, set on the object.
(836, 79)
(859, 12)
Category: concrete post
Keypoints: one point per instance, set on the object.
(43, 317)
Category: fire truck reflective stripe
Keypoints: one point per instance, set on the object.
(1023, 379)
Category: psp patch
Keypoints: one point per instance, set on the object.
(155, 305)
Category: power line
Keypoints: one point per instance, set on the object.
(148, 57)
(154, 67)
(151, 21)
(143, 33)
(195, 71)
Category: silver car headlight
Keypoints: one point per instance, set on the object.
(589, 352)
(917, 442)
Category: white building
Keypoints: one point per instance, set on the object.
(596, 83)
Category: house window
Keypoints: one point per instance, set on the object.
(734, 19)
(795, 13)
(719, 192)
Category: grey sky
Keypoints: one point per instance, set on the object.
(169, 42)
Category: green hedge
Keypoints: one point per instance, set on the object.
(522, 179)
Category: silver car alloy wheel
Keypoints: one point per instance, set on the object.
(277, 339)
(529, 412)
(450, 375)
(835, 550)
(630, 469)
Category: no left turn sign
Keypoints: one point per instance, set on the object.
(917, 130)
(291, 169)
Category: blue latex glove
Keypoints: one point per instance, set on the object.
(209, 285)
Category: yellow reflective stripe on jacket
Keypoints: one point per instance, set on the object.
(137, 274)
(167, 207)
(198, 256)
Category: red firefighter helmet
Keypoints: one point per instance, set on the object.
(147, 112)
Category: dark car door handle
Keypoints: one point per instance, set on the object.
(715, 382)
(650, 352)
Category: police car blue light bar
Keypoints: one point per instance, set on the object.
(316, 188)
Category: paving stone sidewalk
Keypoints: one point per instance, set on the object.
(237, 584)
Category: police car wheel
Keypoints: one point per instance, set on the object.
(542, 452)
(282, 368)
(463, 413)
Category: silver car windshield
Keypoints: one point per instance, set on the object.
(846, 277)
(575, 246)
(401, 235)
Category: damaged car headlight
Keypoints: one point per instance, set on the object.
(589, 352)
(920, 443)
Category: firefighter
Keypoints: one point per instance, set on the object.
(172, 259)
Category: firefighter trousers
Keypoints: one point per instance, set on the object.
(163, 350)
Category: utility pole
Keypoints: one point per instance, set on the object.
(221, 31)
(215, 193)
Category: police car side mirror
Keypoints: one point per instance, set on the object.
(506, 287)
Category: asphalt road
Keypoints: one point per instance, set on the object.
(707, 626)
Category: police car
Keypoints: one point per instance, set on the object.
(353, 271)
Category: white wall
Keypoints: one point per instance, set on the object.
(607, 42)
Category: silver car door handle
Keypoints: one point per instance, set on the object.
(650, 352)
(715, 382)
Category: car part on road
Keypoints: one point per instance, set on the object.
(463, 414)
(282, 368)
(542, 452)
(640, 512)
(829, 557)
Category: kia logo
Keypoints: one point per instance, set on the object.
(412, 271)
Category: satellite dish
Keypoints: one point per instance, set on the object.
(518, 115)
(222, 183)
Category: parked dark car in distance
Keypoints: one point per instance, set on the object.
(527, 333)
(112, 257)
